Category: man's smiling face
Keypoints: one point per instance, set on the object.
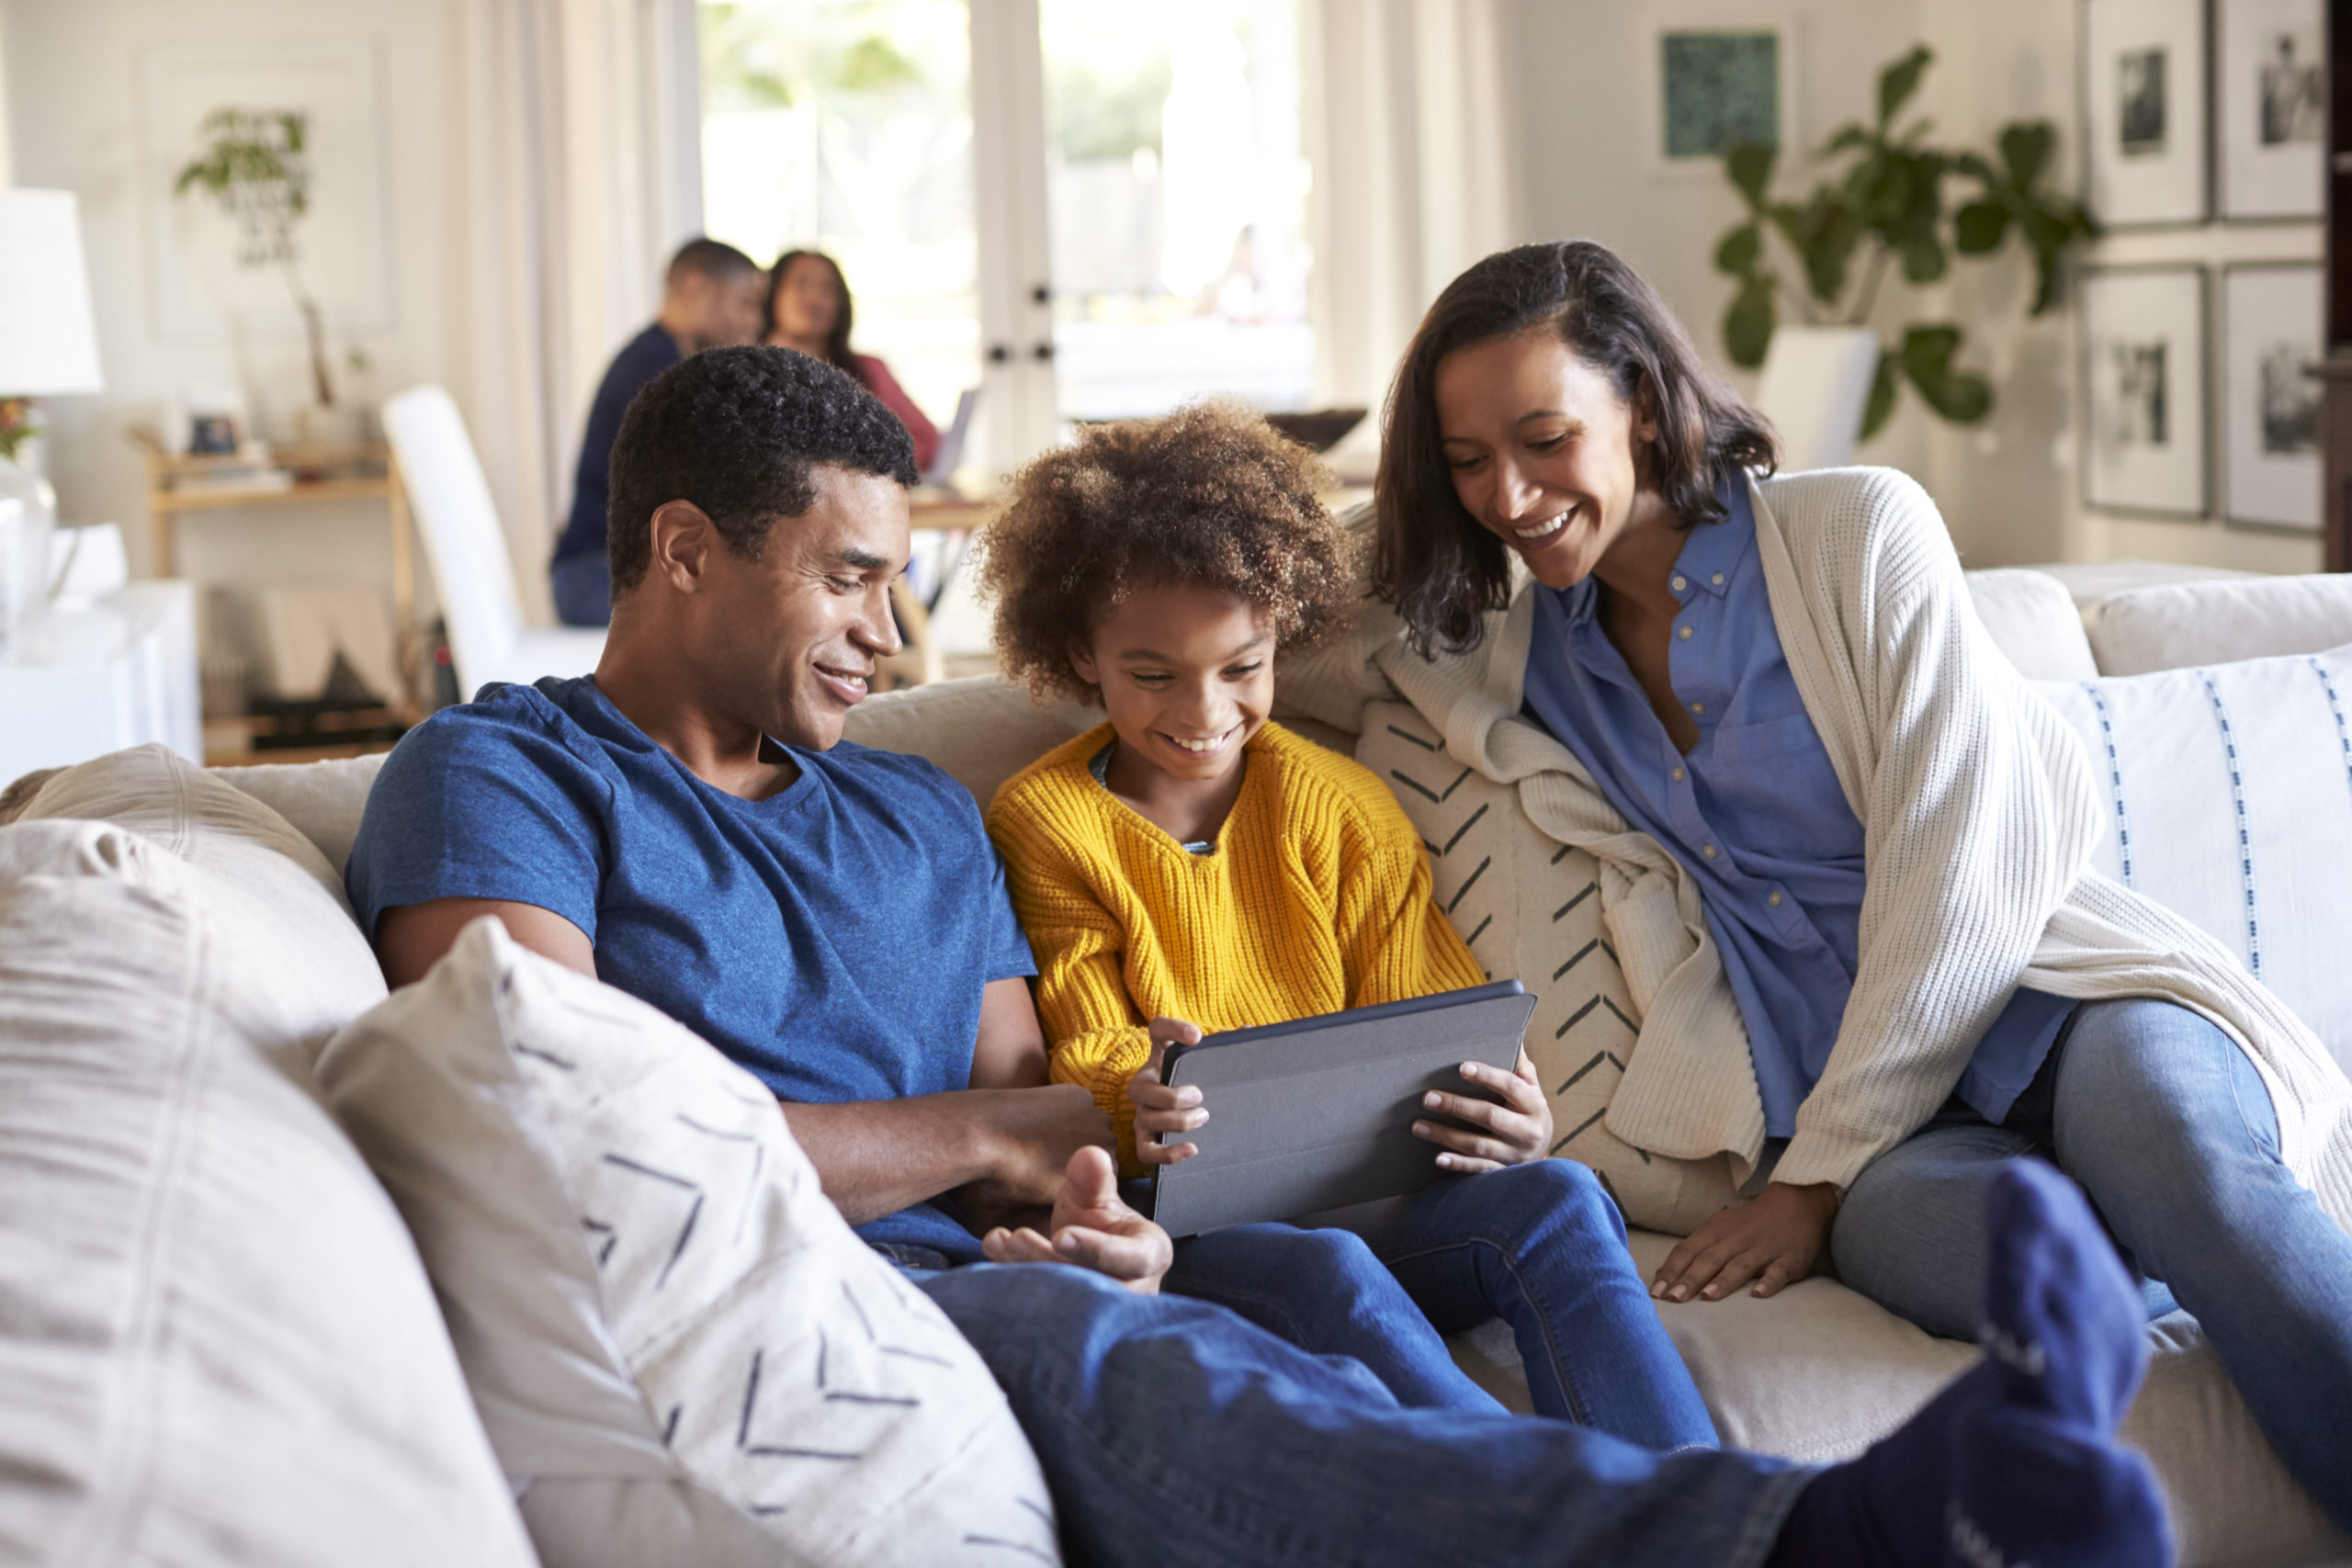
(792, 637)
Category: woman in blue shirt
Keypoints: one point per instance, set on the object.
(1551, 409)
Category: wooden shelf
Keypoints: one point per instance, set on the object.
(209, 500)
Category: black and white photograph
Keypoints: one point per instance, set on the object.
(2144, 337)
(2270, 400)
(2272, 107)
(2146, 113)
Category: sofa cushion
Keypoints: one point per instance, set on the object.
(2178, 624)
(682, 1352)
(2227, 793)
(1530, 909)
(2034, 621)
(267, 882)
(981, 731)
(1818, 1372)
(216, 1343)
(323, 800)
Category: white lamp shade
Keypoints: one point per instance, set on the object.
(48, 339)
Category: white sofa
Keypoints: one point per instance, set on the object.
(1816, 1373)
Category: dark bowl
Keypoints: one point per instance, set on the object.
(1318, 429)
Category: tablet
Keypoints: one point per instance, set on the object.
(1318, 1114)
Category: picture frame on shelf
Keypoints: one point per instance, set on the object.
(2271, 339)
(1715, 75)
(2147, 112)
(2270, 107)
(2146, 406)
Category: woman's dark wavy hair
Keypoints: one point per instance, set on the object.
(837, 354)
(1432, 561)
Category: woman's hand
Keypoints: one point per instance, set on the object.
(1513, 1132)
(1778, 1236)
(1159, 1109)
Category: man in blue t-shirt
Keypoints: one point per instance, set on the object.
(712, 297)
(687, 825)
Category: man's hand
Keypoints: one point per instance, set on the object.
(1778, 1237)
(1031, 1134)
(1513, 1132)
(1092, 1229)
(1159, 1109)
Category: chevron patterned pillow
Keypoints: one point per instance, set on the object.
(681, 1353)
(1530, 909)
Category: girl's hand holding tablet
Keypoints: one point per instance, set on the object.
(1159, 1109)
(1512, 1129)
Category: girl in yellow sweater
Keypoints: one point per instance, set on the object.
(1190, 865)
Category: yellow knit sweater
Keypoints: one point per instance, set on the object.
(1318, 898)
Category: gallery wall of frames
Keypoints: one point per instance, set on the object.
(2203, 371)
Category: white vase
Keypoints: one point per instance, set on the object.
(27, 517)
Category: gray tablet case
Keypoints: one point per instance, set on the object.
(1318, 1114)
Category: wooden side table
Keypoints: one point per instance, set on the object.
(178, 485)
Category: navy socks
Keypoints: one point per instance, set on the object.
(2016, 1462)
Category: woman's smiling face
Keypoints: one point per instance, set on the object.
(1544, 454)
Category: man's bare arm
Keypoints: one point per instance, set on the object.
(411, 938)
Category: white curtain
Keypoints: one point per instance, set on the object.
(1407, 130)
(580, 154)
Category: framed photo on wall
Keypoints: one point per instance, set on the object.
(2145, 383)
(2146, 124)
(2270, 108)
(1717, 78)
(2270, 402)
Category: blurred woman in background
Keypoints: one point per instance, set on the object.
(808, 310)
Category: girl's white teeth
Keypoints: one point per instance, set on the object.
(1549, 525)
(1201, 745)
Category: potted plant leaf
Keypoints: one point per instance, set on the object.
(1880, 208)
(255, 166)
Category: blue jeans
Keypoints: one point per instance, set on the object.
(583, 588)
(1540, 1246)
(1175, 1435)
(2165, 1125)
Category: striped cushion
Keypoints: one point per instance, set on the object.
(2228, 794)
(1530, 909)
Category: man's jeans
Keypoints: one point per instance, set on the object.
(583, 588)
(1175, 1435)
(2168, 1128)
(1540, 1246)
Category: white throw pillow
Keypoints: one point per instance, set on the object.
(1530, 909)
(217, 1344)
(2032, 620)
(682, 1352)
(2173, 625)
(2227, 795)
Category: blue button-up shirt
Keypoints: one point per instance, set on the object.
(1753, 812)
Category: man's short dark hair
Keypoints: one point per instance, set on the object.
(714, 259)
(736, 431)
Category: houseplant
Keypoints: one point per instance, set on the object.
(256, 167)
(1881, 208)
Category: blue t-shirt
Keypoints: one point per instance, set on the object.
(835, 938)
(1754, 812)
(643, 357)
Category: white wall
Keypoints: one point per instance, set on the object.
(73, 94)
(2008, 489)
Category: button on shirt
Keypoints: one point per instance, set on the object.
(1754, 813)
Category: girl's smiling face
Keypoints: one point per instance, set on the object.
(1187, 676)
(1545, 455)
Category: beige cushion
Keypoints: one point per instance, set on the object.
(2034, 621)
(323, 800)
(1530, 909)
(2179, 624)
(981, 731)
(1820, 1373)
(217, 1344)
(681, 1353)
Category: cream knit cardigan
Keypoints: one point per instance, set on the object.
(1979, 819)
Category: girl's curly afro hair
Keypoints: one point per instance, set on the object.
(1210, 496)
